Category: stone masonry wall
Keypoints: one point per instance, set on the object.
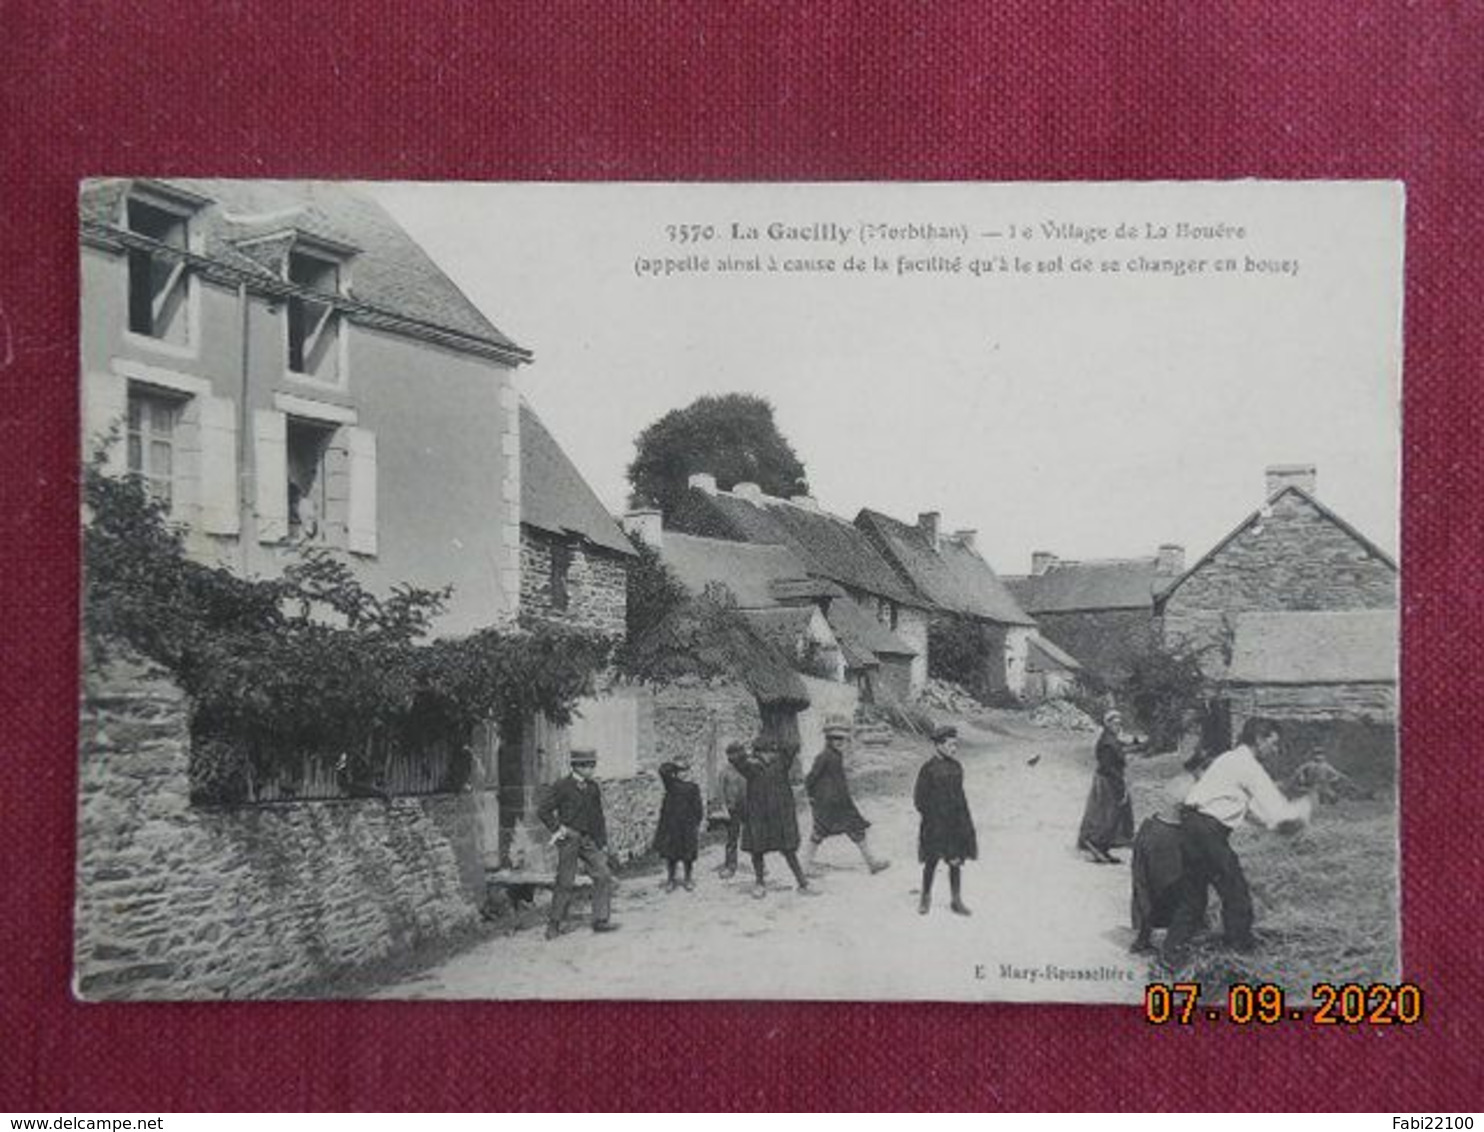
(185, 902)
(597, 584)
(1297, 558)
(1365, 702)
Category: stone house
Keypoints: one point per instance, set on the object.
(1329, 676)
(832, 549)
(574, 557)
(1100, 611)
(285, 367)
(948, 571)
(1051, 672)
(1292, 554)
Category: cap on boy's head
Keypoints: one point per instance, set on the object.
(736, 748)
(945, 732)
(583, 758)
(837, 725)
(1112, 715)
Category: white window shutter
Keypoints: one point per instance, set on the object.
(361, 446)
(219, 511)
(271, 470)
(105, 408)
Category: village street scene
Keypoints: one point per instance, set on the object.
(408, 676)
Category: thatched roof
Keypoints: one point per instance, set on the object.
(951, 573)
(553, 495)
(700, 638)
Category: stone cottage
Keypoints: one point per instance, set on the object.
(832, 549)
(1329, 676)
(574, 557)
(1101, 611)
(962, 587)
(1292, 554)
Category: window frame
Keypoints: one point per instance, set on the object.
(154, 398)
(185, 208)
(334, 257)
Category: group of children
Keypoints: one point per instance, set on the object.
(760, 814)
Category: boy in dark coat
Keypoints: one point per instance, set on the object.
(771, 825)
(829, 798)
(573, 811)
(947, 832)
(676, 837)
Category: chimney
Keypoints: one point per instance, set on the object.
(1041, 561)
(645, 524)
(748, 490)
(807, 502)
(1279, 476)
(703, 481)
(1170, 561)
(965, 538)
(927, 523)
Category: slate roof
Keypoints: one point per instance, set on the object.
(861, 635)
(953, 577)
(553, 495)
(1319, 647)
(1045, 655)
(828, 545)
(246, 225)
(751, 572)
(1111, 583)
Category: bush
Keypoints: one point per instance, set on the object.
(309, 661)
(958, 648)
(1165, 685)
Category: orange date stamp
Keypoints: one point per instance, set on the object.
(1266, 1004)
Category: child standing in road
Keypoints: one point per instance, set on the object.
(677, 836)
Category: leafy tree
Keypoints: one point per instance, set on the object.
(1165, 686)
(653, 591)
(733, 437)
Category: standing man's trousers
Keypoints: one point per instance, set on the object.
(1209, 860)
(569, 852)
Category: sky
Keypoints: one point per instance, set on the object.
(1090, 412)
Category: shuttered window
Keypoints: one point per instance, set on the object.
(152, 441)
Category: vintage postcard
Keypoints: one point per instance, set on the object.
(710, 591)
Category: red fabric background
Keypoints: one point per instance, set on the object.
(452, 89)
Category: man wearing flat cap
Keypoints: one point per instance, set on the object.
(829, 798)
(573, 811)
(947, 832)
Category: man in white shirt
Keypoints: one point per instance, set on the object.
(1233, 788)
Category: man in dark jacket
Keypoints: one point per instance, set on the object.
(947, 832)
(771, 825)
(829, 798)
(573, 811)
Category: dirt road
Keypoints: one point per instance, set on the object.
(1047, 926)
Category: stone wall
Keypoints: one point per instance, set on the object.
(1296, 558)
(597, 584)
(697, 719)
(826, 698)
(1364, 702)
(184, 902)
(1104, 641)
